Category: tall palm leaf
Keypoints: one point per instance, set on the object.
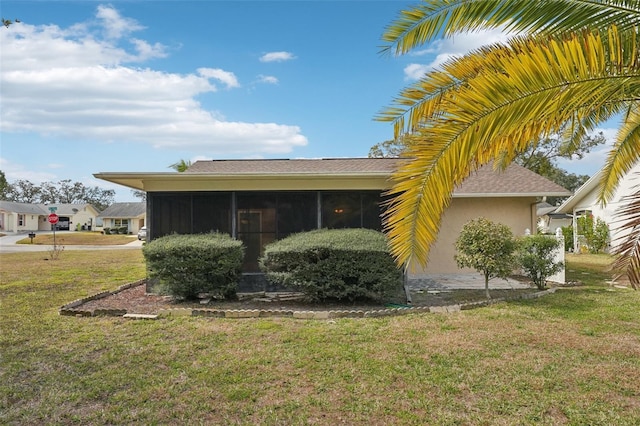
(628, 251)
(181, 166)
(494, 102)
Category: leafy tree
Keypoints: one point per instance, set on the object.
(595, 232)
(4, 186)
(535, 254)
(488, 248)
(391, 148)
(64, 192)
(570, 64)
(8, 22)
(23, 191)
(139, 194)
(181, 166)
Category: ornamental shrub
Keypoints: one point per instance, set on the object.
(595, 233)
(337, 264)
(187, 265)
(567, 233)
(486, 247)
(536, 255)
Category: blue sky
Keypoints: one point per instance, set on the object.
(91, 86)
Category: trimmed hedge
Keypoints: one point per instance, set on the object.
(186, 265)
(339, 264)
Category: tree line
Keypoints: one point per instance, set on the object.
(62, 192)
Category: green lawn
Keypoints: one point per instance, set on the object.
(79, 238)
(567, 358)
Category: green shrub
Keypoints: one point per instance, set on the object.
(567, 233)
(595, 233)
(339, 264)
(107, 231)
(187, 265)
(536, 254)
(123, 230)
(488, 248)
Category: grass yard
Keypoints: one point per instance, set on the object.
(567, 358)
(80, 238)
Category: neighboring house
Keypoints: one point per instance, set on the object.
(72, 217)
(20, 217)
(26, 217)
(549, 220)
(120, 215)
(259, 201)
(585, 201)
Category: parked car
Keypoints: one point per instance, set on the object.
(142, 233)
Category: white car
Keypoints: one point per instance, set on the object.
(142, 233)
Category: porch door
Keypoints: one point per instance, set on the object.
(254, 232)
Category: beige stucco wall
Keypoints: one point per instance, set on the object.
(517, 213)
(86, 217)
(10, 222)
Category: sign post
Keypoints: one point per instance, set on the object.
(53, 219)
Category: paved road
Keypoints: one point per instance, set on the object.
(8, 244)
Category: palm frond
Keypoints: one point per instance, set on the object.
(622, 157)
(521, 92)
(628, 249)
(436, 18)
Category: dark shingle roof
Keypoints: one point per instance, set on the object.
(515, 180)
(24, 208)
(297, 166)
(124, 210)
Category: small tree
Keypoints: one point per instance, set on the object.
(595, 232)
(536, 254)
(486, 247)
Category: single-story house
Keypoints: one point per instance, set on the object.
(27, 217)
(121, 215)
(585, 201)
(549, 220)
(259, 201)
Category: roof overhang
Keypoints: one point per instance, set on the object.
(508, 194)
(156, 182)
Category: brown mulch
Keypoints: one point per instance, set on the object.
(135, 300)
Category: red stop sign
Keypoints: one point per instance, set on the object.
(53, 218)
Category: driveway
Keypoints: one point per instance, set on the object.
(8, 244)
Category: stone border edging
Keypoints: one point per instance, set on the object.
(72, 309)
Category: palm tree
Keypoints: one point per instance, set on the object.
(571, 63)
(181, 166)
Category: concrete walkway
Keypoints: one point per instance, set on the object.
(8, 243)
(470, 281)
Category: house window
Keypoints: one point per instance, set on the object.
(120, 223)
(21, 220)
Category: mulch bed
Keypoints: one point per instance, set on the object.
(133, 299)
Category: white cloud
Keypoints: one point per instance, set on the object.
(14, 172)
(269, 79)
(228, 78)
(277, 57)
(114, 25)
(70, 83)
(446, 49)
